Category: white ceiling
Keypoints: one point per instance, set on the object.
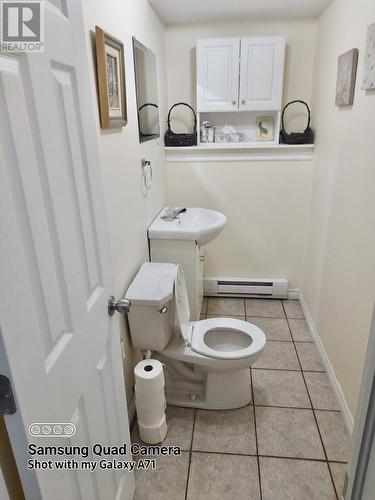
(188, 11)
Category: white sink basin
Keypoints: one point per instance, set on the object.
(199, 224)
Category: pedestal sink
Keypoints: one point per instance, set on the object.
(181, 241)
(196, 224)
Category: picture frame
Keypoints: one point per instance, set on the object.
(110, 67)
(346, 77)
(368, 79)
(264, 128)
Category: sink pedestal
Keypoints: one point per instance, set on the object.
(190, 256)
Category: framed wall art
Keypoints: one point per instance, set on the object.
(368, 80)
(111, 79)
(346, 75)
(264, 128)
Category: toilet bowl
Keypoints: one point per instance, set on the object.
(206, 362)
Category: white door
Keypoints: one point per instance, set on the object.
(217, 74)
(58, 346)
(262, 73)
(360, 480)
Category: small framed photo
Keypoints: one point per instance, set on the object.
(346, 75)
(264, 128)
(368, 80)
(110, 68)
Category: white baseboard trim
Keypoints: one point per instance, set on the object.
(293, 294)
(348, 417)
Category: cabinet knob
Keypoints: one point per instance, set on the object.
(243, 101)
(233, 102)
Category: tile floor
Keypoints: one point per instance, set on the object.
(290, 443)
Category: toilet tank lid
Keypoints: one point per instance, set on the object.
(153, 284)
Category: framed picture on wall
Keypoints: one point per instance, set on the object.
(368, 81)
(346, 75)
(264, 128)
(110, 69)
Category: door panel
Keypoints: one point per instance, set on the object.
(262, 73)
(217, 74)
(57, 343)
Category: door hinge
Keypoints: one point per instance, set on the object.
(7, 403)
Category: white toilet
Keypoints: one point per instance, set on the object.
(206, 362)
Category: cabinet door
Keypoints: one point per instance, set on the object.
(218, 74)
(262, 73)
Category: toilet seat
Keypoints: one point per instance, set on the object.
(226, 338)
(220, 338)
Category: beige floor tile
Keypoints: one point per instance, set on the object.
(223, 477)
(180, 428)
(280, 388)
(204, 305)
(223, 306)
(309, 357)
(334, 434)
(321, 392)
(300, 330)
(278, 356)
(166, 482)
(264, 308)
(226, 316)
(293, 309)
(338, 474)
(286, 432)
(274, 328)
(286, 479)
(228, 431)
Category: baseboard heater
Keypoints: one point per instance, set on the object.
(246, 287)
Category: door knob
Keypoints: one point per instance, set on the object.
(121, 306)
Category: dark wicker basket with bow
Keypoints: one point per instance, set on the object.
(180, 140)
(305, 137)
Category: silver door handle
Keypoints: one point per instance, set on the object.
(121, 306)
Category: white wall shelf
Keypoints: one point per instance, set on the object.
(240, 152)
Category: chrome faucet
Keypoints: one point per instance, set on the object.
(172, 213)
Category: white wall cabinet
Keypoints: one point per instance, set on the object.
(217, 74)
(262, 73)
(240, 74)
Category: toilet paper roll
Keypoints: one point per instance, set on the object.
(149, 376)
(151, 400)
(152, 417)
(153, 434)
(143, 405)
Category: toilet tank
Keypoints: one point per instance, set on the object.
(151, 311)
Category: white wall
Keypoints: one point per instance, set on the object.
(266, 202)
(339, 268)
(266, 207)
(129, 212)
